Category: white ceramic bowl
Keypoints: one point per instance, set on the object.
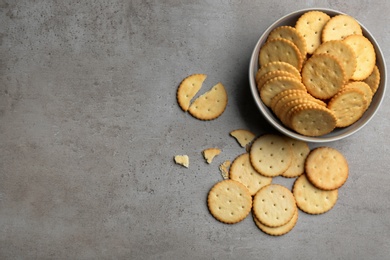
(338, 133)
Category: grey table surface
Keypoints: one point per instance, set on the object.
(89, 125)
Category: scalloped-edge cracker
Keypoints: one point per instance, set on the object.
(300, 150)
(339, 27)
(374, 79)
(210, 153)
(188, 88)
(277, 66)
(277, 231)
(291, 34)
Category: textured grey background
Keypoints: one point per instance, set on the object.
(89, 125)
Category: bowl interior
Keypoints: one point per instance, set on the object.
(338, 133)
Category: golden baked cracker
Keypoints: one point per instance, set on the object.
(348, 106)
(284, 113)
(277, 66)
(274, 205)
(229, 201)
(284, 93)
(271, 75)
(276, 85)
(280, 50)
(326, 168)
(243, 137)
(270, 155)
(373, 80)
(224, 169)
(310, 25)
(210, 153)
(211, 104)
(242, 171)
(300, 150)
(277, 231)
(188, 88)
(323, 75)
(182, 160)
(339, 27)
(311, 120)
(343, 52)
(291, 34)
(365, 56)
(312, 200)
(365, 88)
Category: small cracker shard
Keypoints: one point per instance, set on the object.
(210, 153)
(224, 169)
(182, 160)
(243, 137)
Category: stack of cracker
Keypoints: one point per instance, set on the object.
(318, 75)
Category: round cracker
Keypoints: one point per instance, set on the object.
(300, 150)
(365, 88)
(277, 66)
(310, 25)
(291, 34)
(280, 50)
(339, 27)
(276, 85)
(188, 88)
(274, 205)
(242, 171)
(374, 79)
(270, 155)
(348, 106)
(343, 52)
(271, 75)
(323, 75)
(365, 56)
(229, 201)
(211, 104)
(312, 200)
(277, 231)
(326, 168)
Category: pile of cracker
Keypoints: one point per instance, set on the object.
(319, 174)
(318, 75)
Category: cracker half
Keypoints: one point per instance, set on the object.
(229, 201)
(326, 168)
(188, 88)
(242, 171)
(274, 205)
(310, 25)
(300, 150)
(339, 27)
(270, 155)
(243, 137)
(312, 200)
(210, 153)
(211, 104)
(278, 231)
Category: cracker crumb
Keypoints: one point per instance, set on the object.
(224, 168)
(182, 160)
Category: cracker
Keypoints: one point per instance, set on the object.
(374, 79)
(339, 27)
(348, 106)
(299, 150)
(274, 205)
(365, 88)
(280, 50)
(312, 200)
(365, 56)
(243, 137)
(242, 171)
(284, 114)
(224, 169)
(277, 66)
(323, 75)
(188, 88)
(276, 85)
(211, 104)
(343, 52)
(277, 231)
(326, 168)
(271, 75)
(310, 25)
(270, 155)
(291, 34)
(311, 120)
(210, 153)
(182, 160)
(229, 201)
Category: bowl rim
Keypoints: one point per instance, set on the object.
(275, 122)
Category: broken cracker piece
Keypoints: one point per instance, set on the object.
(210, 153)
(224, 168)
(243, 137)
(182, 160)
